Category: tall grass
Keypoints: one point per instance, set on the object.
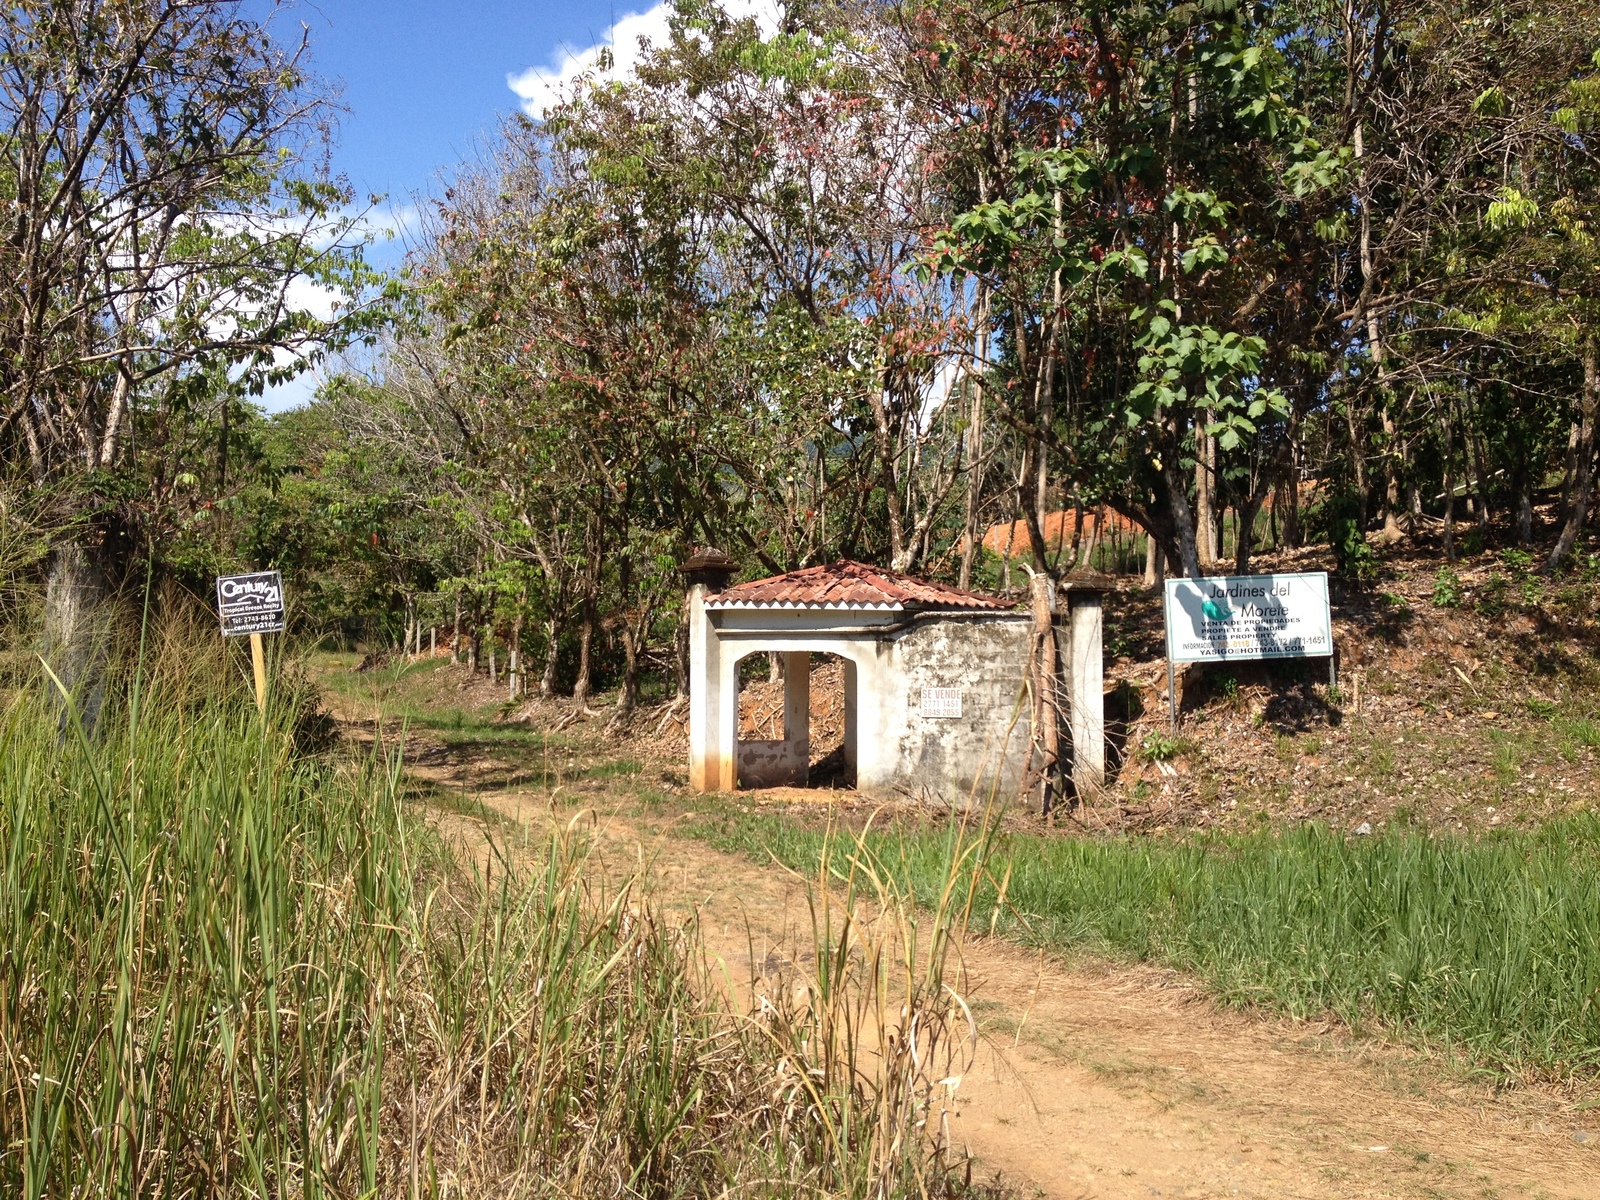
(229, 967)
(1486, 948)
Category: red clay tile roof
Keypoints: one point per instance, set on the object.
(850, 585)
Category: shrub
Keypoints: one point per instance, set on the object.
(1159, 747)
(1446, 589)
(1342, 517)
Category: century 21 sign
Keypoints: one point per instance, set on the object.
(250, 603)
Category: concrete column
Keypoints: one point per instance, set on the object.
(725, 738)
(706, 766)
(797, 712)
(1086, 692)
(879, 720)
(852, 719)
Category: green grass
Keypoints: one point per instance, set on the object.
(231, 967)
(1505, 757)
(1488, 948)
(1584, 731)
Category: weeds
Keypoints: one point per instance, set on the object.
(1160, 747)
(1447, 591)
(1506, 758)
(1380, 761)
(1493, 598)
(230, 968)
(1582, 731)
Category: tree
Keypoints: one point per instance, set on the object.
(154, 229)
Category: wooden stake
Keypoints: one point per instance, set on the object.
(258, 660)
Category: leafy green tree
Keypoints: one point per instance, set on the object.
(155, 222)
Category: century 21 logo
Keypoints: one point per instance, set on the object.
(262, 590)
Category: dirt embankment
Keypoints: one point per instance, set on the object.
(1467, 698)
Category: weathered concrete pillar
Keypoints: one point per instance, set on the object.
(797, 713)
(1086, 675)
(851, 716)
(711, 763)
(722, 746)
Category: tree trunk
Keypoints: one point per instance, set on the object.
(1524, 518)
(1583, 477)
(1154, 561)
(581, 690)
(1358, 456)
(1094, 540)
(888, 476)
(1569, 472)
(1392, 531)
(1045, 743)
(1243, 539)
(515, 688)
(628, 697)
(77, 628)
(973, 535)
(681, 652)
(1290, 527)
(552, 652)
(1449, 498)
(1477, 464)
(1203, 499)
(1183, 524)
(455, 634)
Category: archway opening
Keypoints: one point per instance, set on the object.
(797, 720)
(833, 707)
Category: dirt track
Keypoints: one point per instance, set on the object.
(1125, 1082)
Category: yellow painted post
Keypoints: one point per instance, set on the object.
(258, 660)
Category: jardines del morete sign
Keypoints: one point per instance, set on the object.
(1248, 616)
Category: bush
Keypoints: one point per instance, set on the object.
(1446, 589)
(1159, 747)
(1341, 517)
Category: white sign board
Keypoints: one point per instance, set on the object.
(1248, 616)
(250, 603)
(941, 702)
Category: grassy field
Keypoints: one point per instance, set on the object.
(1487, 949)
(233, 966)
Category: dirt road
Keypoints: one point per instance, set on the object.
(1120, 1083)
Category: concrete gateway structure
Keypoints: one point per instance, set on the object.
(934, 679)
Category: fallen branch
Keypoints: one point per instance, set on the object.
(573, 717)
(671, 714)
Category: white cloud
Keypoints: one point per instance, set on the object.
(542, 88)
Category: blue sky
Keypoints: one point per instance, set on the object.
(424, 81)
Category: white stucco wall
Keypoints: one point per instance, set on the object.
(890, 658)
(957, 760)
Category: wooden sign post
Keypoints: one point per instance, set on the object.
(252, 604)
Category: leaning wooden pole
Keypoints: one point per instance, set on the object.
(258, 661)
